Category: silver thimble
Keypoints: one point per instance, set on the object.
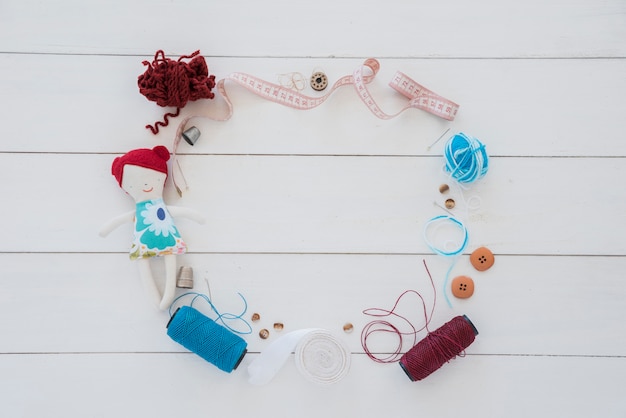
(191, 135)
(184, 279)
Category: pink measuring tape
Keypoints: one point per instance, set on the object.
(419, 97)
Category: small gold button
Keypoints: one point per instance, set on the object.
(450, 203)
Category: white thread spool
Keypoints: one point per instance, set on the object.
(322, 358)
(319, 356)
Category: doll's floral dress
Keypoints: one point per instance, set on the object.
(155, 233)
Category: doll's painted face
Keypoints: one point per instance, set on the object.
(143, 183)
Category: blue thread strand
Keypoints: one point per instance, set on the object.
(466, 158)
(447, 253)
(445, 283)
(220, 316)
(203, 336)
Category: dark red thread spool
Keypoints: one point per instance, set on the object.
(438, 348)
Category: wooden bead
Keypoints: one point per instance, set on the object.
(348, 327)
(444, 188)
(264, 334)
(255, 317)
(278, 326)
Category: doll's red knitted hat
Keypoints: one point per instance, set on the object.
(155, 159)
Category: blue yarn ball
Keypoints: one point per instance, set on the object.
(209, 340)
(466, 158)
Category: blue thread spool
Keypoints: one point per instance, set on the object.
(209, 340)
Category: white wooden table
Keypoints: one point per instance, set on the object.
(317, 215)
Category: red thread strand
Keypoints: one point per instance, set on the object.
(155, 128)
(384, 326)
(438, 348)
(174, 83)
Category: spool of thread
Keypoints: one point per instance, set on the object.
(322, 358)
(206, 338)
(438, 348)
(319, 356)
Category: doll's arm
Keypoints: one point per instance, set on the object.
(115, 222)
(183, 212)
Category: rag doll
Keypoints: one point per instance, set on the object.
(141, 173)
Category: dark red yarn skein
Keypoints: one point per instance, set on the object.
(174, 83)
(439, 347)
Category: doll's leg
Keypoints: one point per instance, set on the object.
(169, 290)
(145, 272)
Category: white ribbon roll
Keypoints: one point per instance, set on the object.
(320, 357)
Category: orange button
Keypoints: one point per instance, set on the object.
(482, 258)
(462, 287)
